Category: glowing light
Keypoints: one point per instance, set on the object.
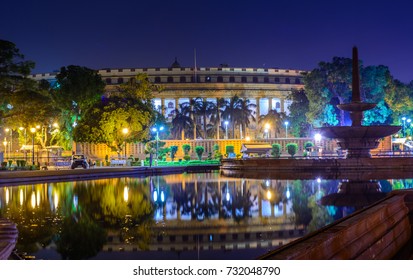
(155, 196)
(288, 194)
(126, 194)
(162, 196)
(33, 200)
(269, 195)
(317, 137)
(227, 196)
(7, 196)
(318, 180)
(37, 198)
(56, 200)
(248, 138)
(21, 195)
(267, 183)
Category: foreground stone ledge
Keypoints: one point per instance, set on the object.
(377, 232)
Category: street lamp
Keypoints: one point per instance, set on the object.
(5, 146)
(226, 129)
(125, 131)
(33, 131)
(404, 126)
(11, 140)
(286, 128)
(157, 139)
(25, 142)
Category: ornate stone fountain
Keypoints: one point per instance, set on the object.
(358, 140)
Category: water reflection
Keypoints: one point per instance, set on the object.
(185, 216)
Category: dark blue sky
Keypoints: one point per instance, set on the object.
(286, 34)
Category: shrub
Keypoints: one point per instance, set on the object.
(229, 149)
(173, 150)
(187, 157)
(276, 150)
(199, 150)
(308, 145)
(217, 152)
(186, 148)
(292, 149)
(209, 156)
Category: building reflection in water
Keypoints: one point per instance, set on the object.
(173, 216)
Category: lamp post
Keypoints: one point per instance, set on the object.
(226, 129)
(11, 140)
(33, 131)
(25, 142)
(5, 146)
(125, 131)
(157, 139)
(286, 128)
(404, 126)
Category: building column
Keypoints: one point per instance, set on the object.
(282, 104)
(257, 115)
(163, 106)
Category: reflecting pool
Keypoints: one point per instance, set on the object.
(181, 216)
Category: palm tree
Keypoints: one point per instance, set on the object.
(182, 121)
(245, 112)
(274, 120)
(215, 121)
(238, 111)
(193, 105)
(204, 109)
(231, 109)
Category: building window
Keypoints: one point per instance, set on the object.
(108, 81)
(107, 70)
(287, 80)
(120, 80)
(231, 79)
(120, 70)
(297, 80)
(157, 79)
(266, 80)
(132, 69)
(277, 80)
(157, 69)
(254, 79)
(243, 79)
(220, 79)
(182, 79)
(170, 79)
(170, 105)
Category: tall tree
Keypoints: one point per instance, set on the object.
(298, 109)
(231, 111)
(13, 72)
(330, 84)
(129, 108)
(182, 123)
(245, 113)
(274, 119)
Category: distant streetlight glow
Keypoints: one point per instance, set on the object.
(33, 131)
(286, 128)
(156, 130)
(125, 131)
(226, 129)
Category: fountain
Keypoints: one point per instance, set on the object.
(358, 140)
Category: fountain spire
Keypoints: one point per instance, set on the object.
(356, 77)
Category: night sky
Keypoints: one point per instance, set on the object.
(285, 34)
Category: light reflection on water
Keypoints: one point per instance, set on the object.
(183, 216)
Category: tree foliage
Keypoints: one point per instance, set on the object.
(130, 108)
(331, 84)
(298, 108)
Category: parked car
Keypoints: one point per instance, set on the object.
(79, 160)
